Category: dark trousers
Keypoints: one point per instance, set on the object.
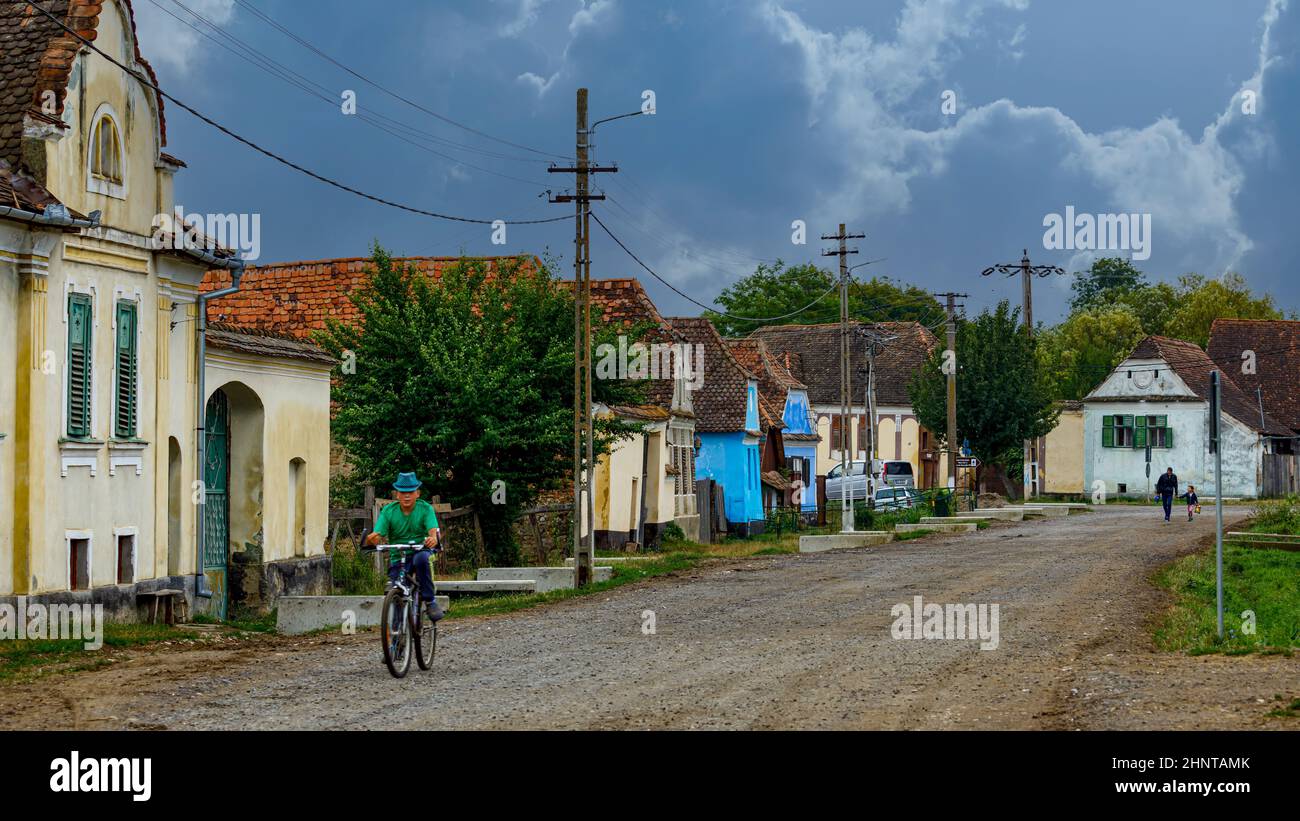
(423, 573)
(1167, 499)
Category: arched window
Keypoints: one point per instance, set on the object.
(104, 160)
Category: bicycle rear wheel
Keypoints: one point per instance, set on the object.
(426, 640)
(395, 632)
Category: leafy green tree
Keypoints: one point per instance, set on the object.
(777, 290)
(1004, 395)
(467, 379)
(1108, 279)
(1079, 353)
(1200, 301)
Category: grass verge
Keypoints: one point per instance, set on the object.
(1261, 597)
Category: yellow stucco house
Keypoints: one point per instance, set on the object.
(107, 357)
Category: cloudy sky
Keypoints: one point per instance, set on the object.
(946, 130)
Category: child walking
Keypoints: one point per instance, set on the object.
(1193, 506)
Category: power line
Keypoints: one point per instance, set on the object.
(288, 75)
(374, 84)
(680, 293)
(267, 152)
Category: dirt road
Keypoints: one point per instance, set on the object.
(774, 642)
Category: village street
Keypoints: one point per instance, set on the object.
(792, 641)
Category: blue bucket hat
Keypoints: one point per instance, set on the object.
(406, 482)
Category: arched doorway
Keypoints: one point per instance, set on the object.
(232, 476)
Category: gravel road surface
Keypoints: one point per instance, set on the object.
(772, 642)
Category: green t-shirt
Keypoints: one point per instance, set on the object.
(400, 529)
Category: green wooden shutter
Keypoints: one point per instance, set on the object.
(1140, 432)
(1108, 431)
(127, 366)
(1169, 437)
(80, 323)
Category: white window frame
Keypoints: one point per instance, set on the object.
(90, 290)
(134, 532)
(98, 185)
(89, 536)
(121, 294)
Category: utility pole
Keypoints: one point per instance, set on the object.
(1027, 273)
(584, 550)
(951, 438)
(846, 388)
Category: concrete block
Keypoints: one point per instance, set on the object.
(941, 527)
(1008, 514)
(303, 614)
(965, 519)
(545, 579)
(486, 586)
(841, 541)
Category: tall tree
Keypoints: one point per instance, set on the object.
(1078, 354)
(1108, 280)
(1200, 301)
(1004, 395)
(777, 290)
(466, 378)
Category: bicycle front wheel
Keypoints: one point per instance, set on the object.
(395, 632)
(426, 641)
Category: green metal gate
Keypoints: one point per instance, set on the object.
(216, 507)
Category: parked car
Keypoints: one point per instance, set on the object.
(856, 482)
(895, 498)
(897, 473)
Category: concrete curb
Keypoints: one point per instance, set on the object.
(303, 614)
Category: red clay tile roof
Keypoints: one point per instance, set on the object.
(814, 353)
(36, 55)
(1193, 366)
(720, 404)
(774, 381)
(295, 298)
(1276, 344)
(624, 302)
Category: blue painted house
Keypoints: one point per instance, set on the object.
(728, 426)
(789, 440)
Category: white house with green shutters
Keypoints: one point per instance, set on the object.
(1153, 409)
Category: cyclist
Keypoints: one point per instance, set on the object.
(409, 520)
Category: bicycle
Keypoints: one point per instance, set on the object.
(402, 621)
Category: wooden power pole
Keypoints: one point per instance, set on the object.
(846, 387)
(584, 550)
(951, 438)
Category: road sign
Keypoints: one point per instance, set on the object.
(967, 462)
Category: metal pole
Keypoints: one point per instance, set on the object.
(1217, 410)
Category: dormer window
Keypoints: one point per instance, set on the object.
(104, 159)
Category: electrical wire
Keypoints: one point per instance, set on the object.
(284, 73)
(267, 152)
(694, 301)
(374, 84)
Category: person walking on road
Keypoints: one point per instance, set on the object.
(1167, 489)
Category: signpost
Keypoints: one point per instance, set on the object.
(968, 462)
